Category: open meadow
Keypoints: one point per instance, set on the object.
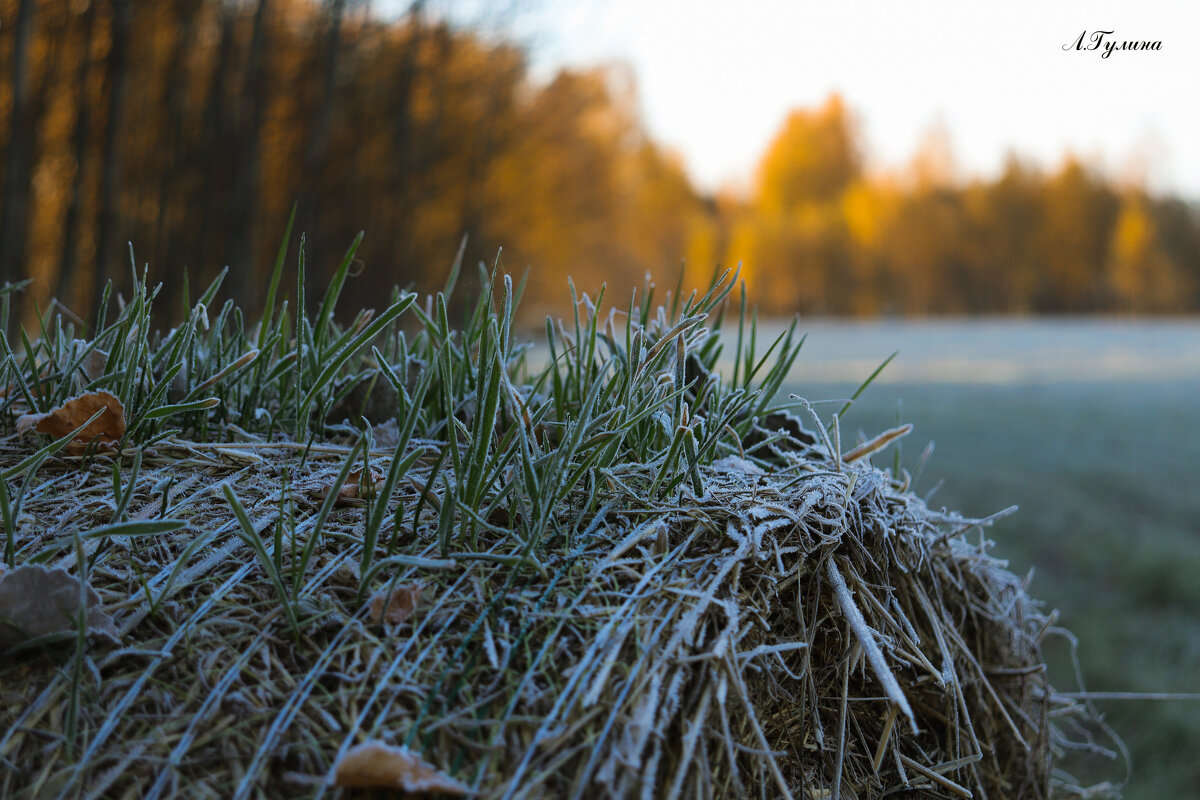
(1103, 463)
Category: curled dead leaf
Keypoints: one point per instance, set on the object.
(37, 601)
(356, 487)
(376, 764)
(315, 487)
(395, 607)
(92, 365)
(58, 422)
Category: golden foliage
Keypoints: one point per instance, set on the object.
(1024, 242)
(812, 159)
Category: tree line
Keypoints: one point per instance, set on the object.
(191, 128)
(1063, 241)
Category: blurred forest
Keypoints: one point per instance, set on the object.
(191, 127)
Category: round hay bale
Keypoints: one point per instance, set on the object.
(615, 577)
(815, 632)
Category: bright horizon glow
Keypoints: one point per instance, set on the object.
(715, 83)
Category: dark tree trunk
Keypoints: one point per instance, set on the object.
(67, 263)
(107, 234)
(404, 160)
(479, 161)
(211, 164)
(18, 166)
(171, 202)
(318, 141)
(241, 224)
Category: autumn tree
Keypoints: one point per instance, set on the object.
(1141, 274)
(811, 161)
(793, 235)
(1005, 257)
(1073, 236)
(583, 191)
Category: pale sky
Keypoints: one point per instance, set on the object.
(717, 79)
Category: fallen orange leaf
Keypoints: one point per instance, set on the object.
(58, 422)
(397, 606)
(375, 764)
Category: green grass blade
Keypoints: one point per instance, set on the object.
(10, 525)
(248, 535)
(338, 360)
(329, 303)
(455, 267)
(268, 313)
(182, 408)
(318, 526)
(867, 382)
(136, 528)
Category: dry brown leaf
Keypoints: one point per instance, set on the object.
(351, 489)
(36, 601)
(376, 764)
(58, 422)
(93, 363)
(396, 607)
(317, 486)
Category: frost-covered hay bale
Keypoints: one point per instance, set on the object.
(815, 631)
(572, 594)
(808, 630)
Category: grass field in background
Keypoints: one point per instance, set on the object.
(1107, 477)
